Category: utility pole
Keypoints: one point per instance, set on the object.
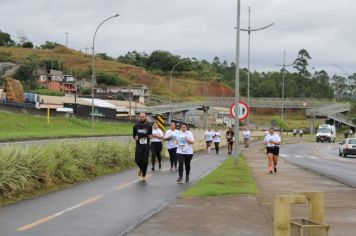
(237, 80)
(66, 33)
(249, 30)
(283, 76)
(86, 49)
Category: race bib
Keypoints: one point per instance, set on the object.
(182, 141)
(143, 140)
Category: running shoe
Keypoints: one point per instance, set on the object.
(180, 180)
(159, 166)
(153, 169)
(275, 169)
(187, 179)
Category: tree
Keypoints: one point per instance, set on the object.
(339, 84)
(106, 78)
(301, 63)
(5, 39)
(27, 76)
(134, 58)
(162, 60)
(27, 45)
(49, 45)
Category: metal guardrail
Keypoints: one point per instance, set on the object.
(272, 102)
(329, 110)
(342, 119)
(174, 107)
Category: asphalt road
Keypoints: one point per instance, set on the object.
(46, 141)
(322, 158)
(108, 206)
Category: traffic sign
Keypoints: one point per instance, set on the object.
(243, 110)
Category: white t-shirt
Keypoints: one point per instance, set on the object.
(209, 135)
(246, 134)
(269, 138)
(159, 132)
(183, 146)
(217, 137)
(172, 135)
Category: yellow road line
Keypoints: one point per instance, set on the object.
(131, 182)
(51, 217)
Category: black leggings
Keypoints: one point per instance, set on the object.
(141, 157)
(186, 159)
(216, 147)
(156, 148)
(173, 157)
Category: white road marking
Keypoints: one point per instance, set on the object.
(284, 155)
(313, 157)
(298, 156)
(55, 215)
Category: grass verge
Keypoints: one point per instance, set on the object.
(18, 126)
(227, 179)
(28, 172)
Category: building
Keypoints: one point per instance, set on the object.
(138, 94)
(55, 80)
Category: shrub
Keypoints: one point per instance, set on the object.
(24, 170)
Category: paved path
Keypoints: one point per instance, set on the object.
(110, 205)
(322, 158)
(252, 215)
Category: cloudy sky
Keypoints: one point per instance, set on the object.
(195, 28)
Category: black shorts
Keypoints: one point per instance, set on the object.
(208, 142)
(274, 150)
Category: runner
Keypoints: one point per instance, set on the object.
(184, 152)
(171, 137)
(294, 132)
(301, 132)
(209, 139)
(217, 140)
(247, 134)
(156, 145)
(272, 141)
(230, 140)
(142, 133)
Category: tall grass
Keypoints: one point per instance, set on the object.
(25, 170)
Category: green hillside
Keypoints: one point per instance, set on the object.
(185, 87)
(18, 126)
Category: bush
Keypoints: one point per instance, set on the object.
(27, 170)
(47, 92)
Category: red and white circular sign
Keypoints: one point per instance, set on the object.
(243, 110)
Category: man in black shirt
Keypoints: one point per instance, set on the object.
(142, 133)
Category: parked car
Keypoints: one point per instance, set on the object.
(347, 147)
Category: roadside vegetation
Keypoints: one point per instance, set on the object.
(27, 172)
(19, 126)
(227, 179)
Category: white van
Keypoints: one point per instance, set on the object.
(326, 133)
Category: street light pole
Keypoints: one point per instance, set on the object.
(249, 30)
(93, 69)
(237, 80)
(170, 88)
(283, 76)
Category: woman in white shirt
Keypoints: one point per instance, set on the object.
(156, 145)
(171, 138)
(217, 140)
(208, 139)
(184, 152)
(272, 142)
